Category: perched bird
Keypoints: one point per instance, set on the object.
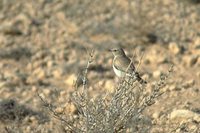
(123, 66)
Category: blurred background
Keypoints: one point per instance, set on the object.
(44, 46)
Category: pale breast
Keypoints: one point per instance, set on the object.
(118, 72)
(121, 66)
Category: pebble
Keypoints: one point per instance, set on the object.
(63, 55)
(70, 80)
(109, 85)
(156, 73)
(31, 80)
(46, 91)
(198, 61)
(174, 48)
(59, 110)
(33, 119)
(10, 30)
(28, 129)
(36, 64)
(2, 84)
(50, 63)
(156, 114)
(190, 60)
(172, 87)
(198, 74)
(197, 43)
(189, 83)
(57, 73)
(70, 108)
(24, 93)
(182, 114)
(40, 73)
(63, 93)
(34, 89)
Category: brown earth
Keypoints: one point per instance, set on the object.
(44, 44)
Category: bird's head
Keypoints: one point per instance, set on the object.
(117, 51)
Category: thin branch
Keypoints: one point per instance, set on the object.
(57, 116)
(139, 62)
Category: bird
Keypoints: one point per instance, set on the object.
(123, 66)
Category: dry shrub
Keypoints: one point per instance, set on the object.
(120, 111)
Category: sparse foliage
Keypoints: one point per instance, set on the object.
(120, 111)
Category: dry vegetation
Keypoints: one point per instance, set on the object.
(43, 50)
(120, 111)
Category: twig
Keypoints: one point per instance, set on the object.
(57, 116)
(139, 62)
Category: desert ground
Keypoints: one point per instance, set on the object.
(45, 45)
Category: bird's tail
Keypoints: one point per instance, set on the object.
(139, 79)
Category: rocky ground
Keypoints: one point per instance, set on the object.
(44, 45)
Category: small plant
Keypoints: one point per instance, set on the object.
(120, 111)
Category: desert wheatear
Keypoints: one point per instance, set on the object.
(123, 66)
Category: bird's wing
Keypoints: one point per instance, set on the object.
(123, 63)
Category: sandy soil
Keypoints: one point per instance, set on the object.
(44, 44)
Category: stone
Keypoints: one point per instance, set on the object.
(10, 30)
(63, 93)
(50, 63)
(198, 61)
(174, 48)
(146, 76)
(33, 119)
(198, 74)
(190, 60)
(31, 80)
(109, 85)
(39, 73)
(24, 93)
(70, 80)
(156, 114)
(70, 108)
(184, 115)
(59, 110)
(197, 43)
(46, 92)
(172, 87)
(57, 73)
(34, 89)
(157, 74)
(189, 83)
(194, 60)
(2, 84)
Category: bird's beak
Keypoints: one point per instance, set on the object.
(110, 50)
